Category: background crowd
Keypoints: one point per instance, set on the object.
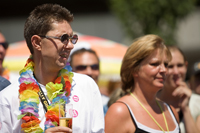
(154, 83)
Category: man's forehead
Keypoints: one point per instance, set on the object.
(85, 58)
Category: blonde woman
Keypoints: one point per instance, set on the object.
(143, 73)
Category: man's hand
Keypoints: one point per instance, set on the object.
(59, 129)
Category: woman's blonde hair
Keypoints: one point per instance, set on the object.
(136, 53)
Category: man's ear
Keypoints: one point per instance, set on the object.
(36, 42)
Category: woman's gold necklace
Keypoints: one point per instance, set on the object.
(151, 115)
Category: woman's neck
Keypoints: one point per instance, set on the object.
(144, 95)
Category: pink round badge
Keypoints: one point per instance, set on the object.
(75, 113)
(75, 98)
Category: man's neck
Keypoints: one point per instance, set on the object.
(44, 76)
(43, 73)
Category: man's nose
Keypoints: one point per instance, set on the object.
(70, 45)
(88, 70)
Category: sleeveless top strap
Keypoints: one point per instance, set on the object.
(129, 112)
(137, 129)
(174, 116)
(140, 130)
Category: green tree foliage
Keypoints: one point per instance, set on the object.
(160, 17)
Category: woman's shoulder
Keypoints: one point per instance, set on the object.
(118, 108)
(118, 118)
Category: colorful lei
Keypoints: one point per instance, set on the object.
(57, 92)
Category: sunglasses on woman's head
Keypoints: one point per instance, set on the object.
(64, 38)
(83, 67)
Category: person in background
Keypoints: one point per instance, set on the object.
(143, 72)
(114, 92)
(113, 85)
(194, 81)
(46, 81)
(4, 72)
(177, 93)
(86, 61)
(3, 83)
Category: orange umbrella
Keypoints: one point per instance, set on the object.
(109, 52)
(16, 56)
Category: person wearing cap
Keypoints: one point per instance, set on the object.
(194, 81)
(5, 72)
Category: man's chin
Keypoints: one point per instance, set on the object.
(61, 65)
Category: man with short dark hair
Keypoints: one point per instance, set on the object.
(46, 81)
(86, 61)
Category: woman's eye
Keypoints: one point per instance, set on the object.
(180, 65)
(154, 64)
(166, 64)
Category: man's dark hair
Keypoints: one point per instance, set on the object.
(40, 20)
(83, 50)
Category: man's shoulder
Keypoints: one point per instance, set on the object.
(14, 76)
(3, 83)
(84, 81)
(2, 79)
(82, 77)
(10, 91)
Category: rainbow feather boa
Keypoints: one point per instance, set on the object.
(57, 93)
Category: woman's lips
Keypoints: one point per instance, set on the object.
(161, 79)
